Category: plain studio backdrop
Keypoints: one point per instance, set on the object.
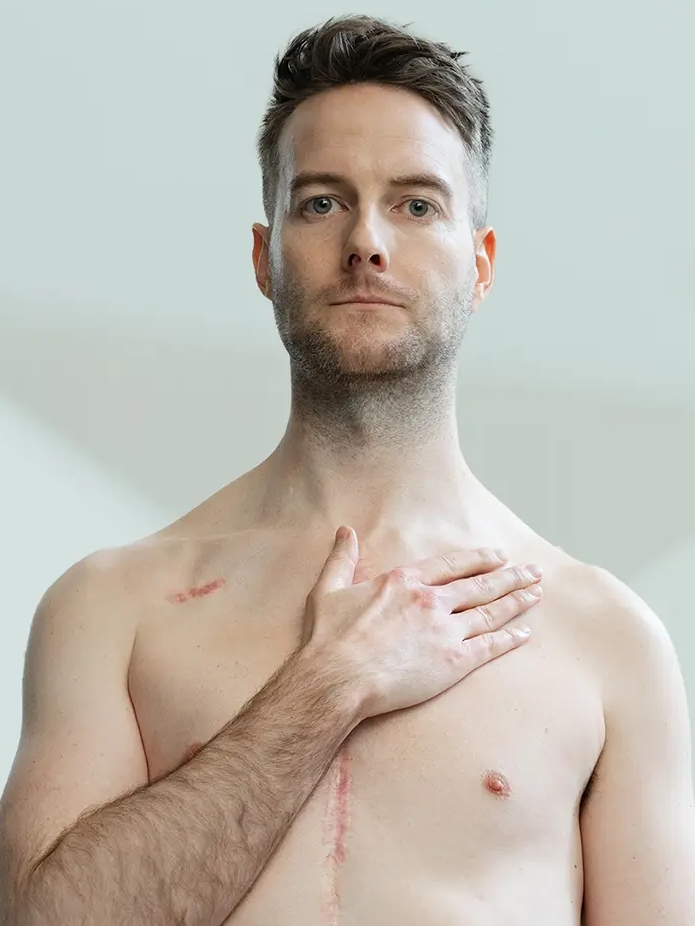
(140, 368)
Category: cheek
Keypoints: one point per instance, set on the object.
(289, 256)
(455, 269)
(441, 275)
(440, 257)
(313, 271)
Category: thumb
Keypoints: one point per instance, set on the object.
(339, 569)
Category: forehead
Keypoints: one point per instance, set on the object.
(368, 133)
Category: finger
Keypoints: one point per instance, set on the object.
(488, 618)
(339, 569)
(459, 564)
(485, 588)
(488, 646)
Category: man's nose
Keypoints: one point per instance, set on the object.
(365, 246)
(360, 257)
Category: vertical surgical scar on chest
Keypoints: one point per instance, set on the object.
(336, 827)
(199, 592)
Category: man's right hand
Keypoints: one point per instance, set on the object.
(412, 632)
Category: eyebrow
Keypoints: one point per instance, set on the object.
(423, 180)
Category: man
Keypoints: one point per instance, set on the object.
(551, 786)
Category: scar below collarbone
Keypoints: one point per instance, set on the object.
(199, 592)
(336, 823)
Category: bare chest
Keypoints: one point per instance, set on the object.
(488, 773)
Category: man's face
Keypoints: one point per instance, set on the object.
(362, 232)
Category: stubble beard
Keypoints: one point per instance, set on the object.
(354, 383)
(356, 352)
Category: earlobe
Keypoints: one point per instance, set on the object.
(485, 252)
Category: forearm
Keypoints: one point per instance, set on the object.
(187, 848)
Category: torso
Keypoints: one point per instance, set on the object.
(461, 810)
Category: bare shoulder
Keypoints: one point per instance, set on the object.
(611, 622)
(115, 572)
(110, 586)
(121, 580)
(104, 577)
(625, 622)
(607, 601)
(231, 510)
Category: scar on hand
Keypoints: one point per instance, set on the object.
(200, 592)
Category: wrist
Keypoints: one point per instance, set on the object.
(340, 689)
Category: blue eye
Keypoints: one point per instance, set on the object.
(320, 199)
(422, 202)
(328, 200)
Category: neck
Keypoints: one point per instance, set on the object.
(385, 463)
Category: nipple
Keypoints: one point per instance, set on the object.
(497, 784)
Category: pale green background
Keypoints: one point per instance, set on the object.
(140, 369)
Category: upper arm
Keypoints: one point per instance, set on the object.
(638, 825)
(80, 744)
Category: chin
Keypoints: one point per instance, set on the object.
(375, 360)
(358, 349)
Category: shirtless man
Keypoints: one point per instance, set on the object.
(239, 721)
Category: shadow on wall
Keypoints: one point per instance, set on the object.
(606, 479)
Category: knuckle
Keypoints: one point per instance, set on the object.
(486, 615)
(401, 576)
(482, 584)
(519, 575)
(452, 656)
(448, 561)
(426, 597)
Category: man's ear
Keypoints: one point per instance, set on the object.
(261, 244)
(485, 254)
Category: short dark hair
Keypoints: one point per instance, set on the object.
(361, 49)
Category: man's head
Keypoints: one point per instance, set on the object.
(375, 153)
